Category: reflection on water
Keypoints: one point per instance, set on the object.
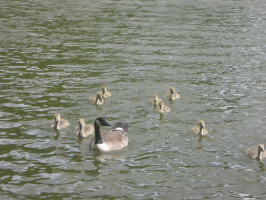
(54, 56)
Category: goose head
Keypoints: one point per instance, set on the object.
(100, 121)
(261, 147)
(202, 124)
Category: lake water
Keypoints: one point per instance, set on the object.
(56, 54)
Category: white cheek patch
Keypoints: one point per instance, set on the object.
(117, 129)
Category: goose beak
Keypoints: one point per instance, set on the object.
(262, 149)
(107, 124)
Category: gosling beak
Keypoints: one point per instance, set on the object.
(262, 149)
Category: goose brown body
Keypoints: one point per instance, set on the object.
(109, 140)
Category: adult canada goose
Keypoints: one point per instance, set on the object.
(172, 95)
(59, 123)
(83, 130)
(109, 140)
(257, 152)
(96, 99)
(155, 100)
(162, 108)
(104, 92)
(199, 129)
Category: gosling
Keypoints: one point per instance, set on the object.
(155, 100)
(59, 123)
(97, 99)
(172, 95)
(104, 92)
(109, 140)
(83, 130)
(162, 108)
(199, 130)
(257, 152)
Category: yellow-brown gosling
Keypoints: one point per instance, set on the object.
(96, 99)
(172, 95)
(109, 140)
(59, 123)
(83, 130)
(200, 130)
(155, 100)
(257, 152)
(104, 92)
(162, 108)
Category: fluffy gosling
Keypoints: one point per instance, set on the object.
(172, 95)
(97, 99)
(83, 130)
(199, 130)
(257, 152)
(59, 123)
(162, 108)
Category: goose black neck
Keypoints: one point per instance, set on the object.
(98, 138)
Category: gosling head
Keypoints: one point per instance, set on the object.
(161, 104)
(100, 121)
(155, 97)
(57, 117)
(104, 89)
(99, 96)
(81, 122)
(172, 90)
(261, 147)
(202, 124)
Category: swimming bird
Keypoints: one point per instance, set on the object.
(109, 140)
(155, 100)
(83, 130)
(59, 123)
(199, 129)
(162, 108)
(104, 92)
(257, 152)
(96, 99)
(172, 95)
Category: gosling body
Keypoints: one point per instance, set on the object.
(59, 123)
(199, 130)
(83, 130)
(97, 99)
(257, 152)
(172, 94)
(109, 140)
